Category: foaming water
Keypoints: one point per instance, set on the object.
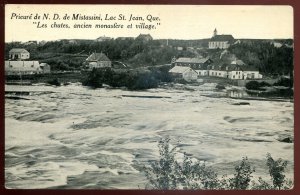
(76, 137)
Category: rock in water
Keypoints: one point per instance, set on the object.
(241, 103)
(286, 140)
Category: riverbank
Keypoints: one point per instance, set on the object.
(62, 77)
(151, 77)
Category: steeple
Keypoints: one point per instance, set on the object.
(215, 32)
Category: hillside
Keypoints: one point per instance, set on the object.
(70, 54)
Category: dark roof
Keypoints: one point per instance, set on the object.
(232, 67)
(97, 57)
(181, 69)
(144, 36)
(18, 50)
(222, 38)
(249, 68)
(193, 60)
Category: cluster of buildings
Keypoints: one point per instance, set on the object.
(19, 64)
(192, 68)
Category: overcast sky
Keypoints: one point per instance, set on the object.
(176, 21)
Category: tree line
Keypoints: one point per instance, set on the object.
(264, 56)
(69, 55)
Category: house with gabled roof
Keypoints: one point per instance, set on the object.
(220, 41)
(98, 60)
(238, 62)
(19, 54)
(186, 73)
(103, 38)
(250, 72)
(197, 64)
(144, 37)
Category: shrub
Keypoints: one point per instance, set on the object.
(162, 173)
(276, 169)
(54, 82)
(167, 173)
(220, 87)
(94, 79)
(242, 177)
(255, 85)
(131, 80)
(286, 82)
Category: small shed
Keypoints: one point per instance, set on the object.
(45, 68)
(187, 73)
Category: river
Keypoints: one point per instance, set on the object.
(75, 137)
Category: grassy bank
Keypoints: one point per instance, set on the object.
(61, 77)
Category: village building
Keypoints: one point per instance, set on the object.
(98, 60)
(216, 70)
(251, 73)
(103, 38)
(197, 64)
(186, 73)
(18, 64)
(19, 54)
(45, 67)
(22, 67)
(144, 37)
(238, 62)
(234, 71)
(220, 41)
(31, 43)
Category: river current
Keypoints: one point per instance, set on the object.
(76, 137)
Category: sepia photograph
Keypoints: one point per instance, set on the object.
(149, 97)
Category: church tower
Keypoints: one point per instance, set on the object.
(215, 32)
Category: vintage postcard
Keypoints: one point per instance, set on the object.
(158, 97)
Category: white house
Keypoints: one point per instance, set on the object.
(187, 73)
(17, 65)
(98, 60)
(18, 54)
(22, 67)
(251, 73)
(234, 71)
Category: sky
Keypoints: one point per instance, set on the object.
(170, 21)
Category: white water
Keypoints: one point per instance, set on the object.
(76, 137)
